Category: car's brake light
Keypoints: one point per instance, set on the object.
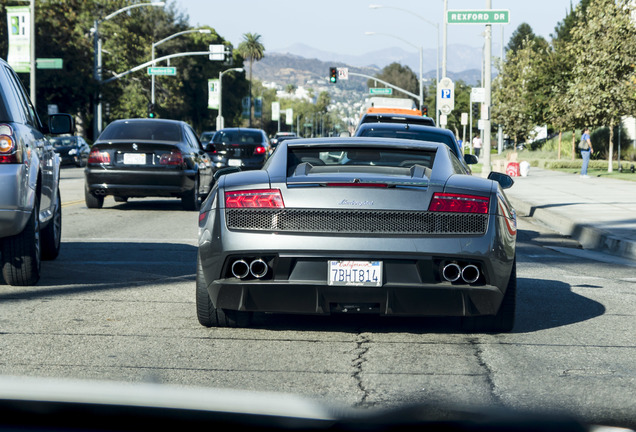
(98, 157)
(459, 203)
(174, 158)
(8, 153)
(377, 185)
(259, 150)
(261, 198)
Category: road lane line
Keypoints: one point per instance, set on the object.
(70, 203)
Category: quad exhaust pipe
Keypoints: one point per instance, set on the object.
(99, 192)
(257, 268)
(469, 273)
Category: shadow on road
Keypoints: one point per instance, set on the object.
(100, 266)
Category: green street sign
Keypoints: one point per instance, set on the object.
(48, 63)
(381, 91)
(162, 71)
(486, 16)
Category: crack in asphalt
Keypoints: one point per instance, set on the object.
(489, 373)
(362, 348)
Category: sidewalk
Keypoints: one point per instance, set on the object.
(599, 213)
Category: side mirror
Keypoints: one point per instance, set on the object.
(504, 180)
(226, 170)
(470, 159)
(60, 124)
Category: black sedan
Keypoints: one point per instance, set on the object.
(148, 157)
(368, 225)
(247, 148)
(72, 150)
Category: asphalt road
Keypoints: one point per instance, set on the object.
(118, 304)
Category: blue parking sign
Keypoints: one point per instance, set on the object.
(446, 93)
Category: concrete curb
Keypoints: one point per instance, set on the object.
(589, 236)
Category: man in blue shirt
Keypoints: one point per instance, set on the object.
(586, 150)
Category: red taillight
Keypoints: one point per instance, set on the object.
(98, 157)
(174, 158)
(459, 203)
(259, 150)
(7, 150)
(262, 198)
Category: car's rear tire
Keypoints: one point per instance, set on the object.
(190, 199)
(51, 236)
(504, 320)
(208, 315)
(93, 201)
(21, 253)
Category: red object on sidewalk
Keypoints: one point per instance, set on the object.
(513, 169)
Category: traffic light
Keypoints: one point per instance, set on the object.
(151, 110)
(333, 75)
(425, 111)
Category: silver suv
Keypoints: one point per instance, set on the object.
(30, 204)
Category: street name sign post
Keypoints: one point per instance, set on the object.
(168, 71)
(380, 91)
(486, 16)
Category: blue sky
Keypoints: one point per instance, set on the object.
(339, 26)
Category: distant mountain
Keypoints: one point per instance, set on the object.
(458, 57)
(300, 70)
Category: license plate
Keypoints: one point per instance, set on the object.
(234, 162)
(135, 158)
(357, 273)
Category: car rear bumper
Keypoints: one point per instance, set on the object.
(412, 282)
(138, 183)
(16, 199)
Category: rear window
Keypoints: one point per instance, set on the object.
(340, 159)
(411, 134)
(142, 130)
(62, 141)
(237, 137)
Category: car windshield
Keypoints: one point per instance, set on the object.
(142, 130)
(237, 137)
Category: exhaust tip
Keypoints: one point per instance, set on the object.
(470, 273)
(258, 268)
(240, 269)
(451, 272)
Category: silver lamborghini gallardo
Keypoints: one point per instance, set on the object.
(374, 225)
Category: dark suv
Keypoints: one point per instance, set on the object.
(246, 148)
(30, 205)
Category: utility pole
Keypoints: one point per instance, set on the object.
(33, 60)
(487, 84)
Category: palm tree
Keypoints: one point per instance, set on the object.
(252, 50)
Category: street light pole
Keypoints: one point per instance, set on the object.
(155, 44)
(220, 121)
(97, 61)
(436, 25)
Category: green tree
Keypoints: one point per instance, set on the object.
(252, 50)
(601, 88)
(400, 76)
(522, 34)
(518, 91)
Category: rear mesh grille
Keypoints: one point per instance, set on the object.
(356, 221)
